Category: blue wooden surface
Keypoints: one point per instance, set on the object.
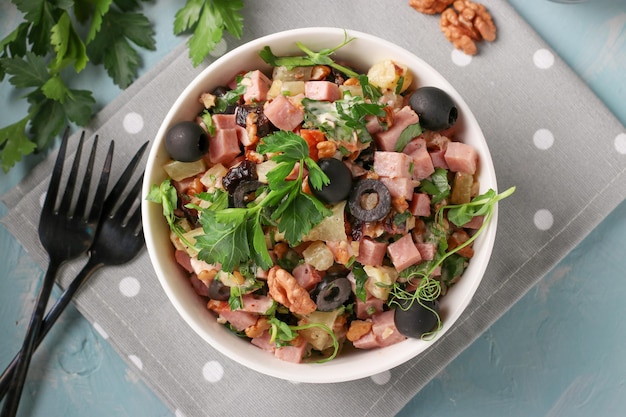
(558, 352)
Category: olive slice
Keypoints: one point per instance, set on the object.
(218, 291)
(369, 200)
(186, 142)
(244, 193)
(340, 183)
(419, 318)
(330, 294)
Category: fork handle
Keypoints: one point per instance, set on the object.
(24, 357)
(62, 302)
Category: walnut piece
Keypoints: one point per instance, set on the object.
(430, 6)
(284, 288)
(467, 23)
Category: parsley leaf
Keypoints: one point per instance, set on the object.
(437, 187)
(67, 45)
(14, 144)
(112, 45)
(208, 19)
(409, 132)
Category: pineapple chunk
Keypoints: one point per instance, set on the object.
(331, 228)
(379, 280)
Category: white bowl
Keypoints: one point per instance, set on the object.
(349, 365)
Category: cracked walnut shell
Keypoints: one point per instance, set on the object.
(466, 23)
(430, 6)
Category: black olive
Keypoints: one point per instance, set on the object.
(218, 291)
(421, 317)
(340, 183)
(361, 190)
(331, 293)
(435, 108)
(186, 142)
(244, 193)
(245, 171)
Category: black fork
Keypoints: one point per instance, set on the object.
(65, 234)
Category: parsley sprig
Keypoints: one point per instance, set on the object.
(43, 56)
(234, 235)
(322, 57)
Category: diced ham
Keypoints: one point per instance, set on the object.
(321, 90)
(223, 146)
(427, 250)
(373, 125)
(422, 163)
(461, 157)
(257, 85)
(385, 329)
(242, 135)
(399, 187)
(371, 252)
(386, 140)
(183, 259)
(198, 266)
(383, 333)
(420, 205)
(369, 307)
(403, 253)
(238, 319)
(293, 353)
(200, 287)
(283, 113)
(392, 164)
(439, 160)
(263, 342)
(224, 121)
(306, 276)
(260, 304)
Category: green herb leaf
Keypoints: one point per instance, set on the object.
(68, 46)
(360, 277)
(437, 187)
(14, 144)
(31, 71)
(410, 132)
(208, 19)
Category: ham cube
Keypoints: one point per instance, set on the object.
(257, 85)
(322, 90)
(292, 353)
(399, 187)
(263, 342)
(224, 121)
(461, 157)
(283, 113)
(367, 341)
(439, 161)
(422, 163)
(386, 140)
(392, 164)
(403, 253)
(306, 276)
(369, 307)
(371, 252)
(427, 250)
(260, 304)
(475, 223)
(420, 205)
(384, 328)
(223, 146)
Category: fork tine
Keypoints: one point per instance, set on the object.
(98, 202)
(71, 180)
(53, 187)
(123, 180)
(81, 204)
(130, 199)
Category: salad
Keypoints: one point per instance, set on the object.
(317, 207)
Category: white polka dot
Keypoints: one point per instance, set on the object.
(543, 219)
(136, 361)
(220, 49)
(133, 123)
(543, 139)
(212, 371)
(543, 59)
(620, 143)
(130, 286)
(179, 413)
(459, 58)
(381, 378)
(100, 330)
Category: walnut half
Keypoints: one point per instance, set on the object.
(430, 6)
(467, 23)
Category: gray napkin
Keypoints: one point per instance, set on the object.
(548, 133)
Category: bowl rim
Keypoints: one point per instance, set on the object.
(342, 368)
